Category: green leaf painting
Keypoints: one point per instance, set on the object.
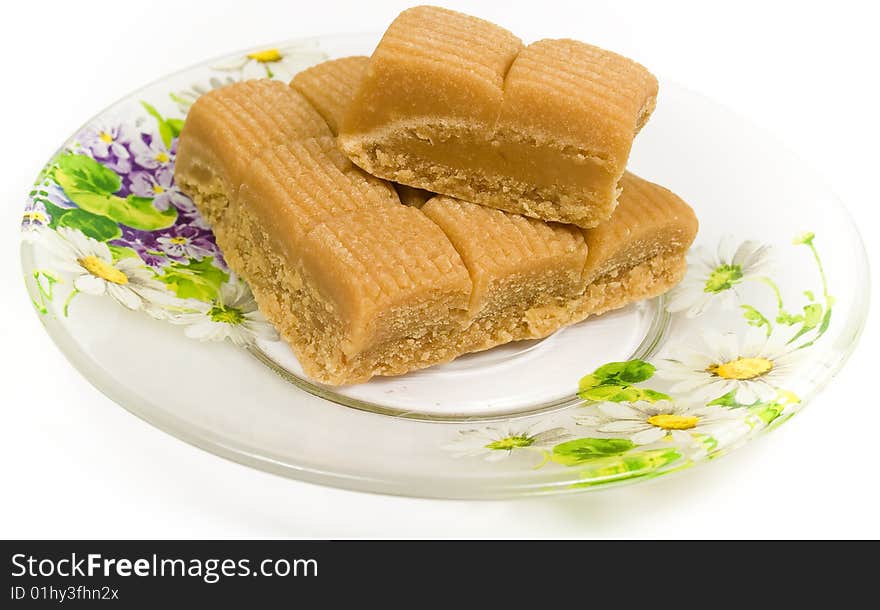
(168, 128)
(644, 463)
(767, 412)
(729, 401)
(92, 225)
(120, 252)
(139, 213)
(629, 372)
(814, 316)
(45, 284)
(195, 280)
(614, 381)
(756, 318)
(91, 186)
(82, 173)
(582, 450)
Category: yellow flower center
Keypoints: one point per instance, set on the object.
(162, 157)
(35, 216)
(105, 137)
(268, 56)
(668, 421)
(742, 368)
(103, 270)
(179, 241)
(158, 189)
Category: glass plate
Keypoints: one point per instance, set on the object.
(129, 282)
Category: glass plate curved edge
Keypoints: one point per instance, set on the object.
(609, 462)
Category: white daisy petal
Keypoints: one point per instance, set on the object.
(624, 425)
(203, 331)
(728, 300)
(757, 261)
(454, 448)
(550, 437)
(700, 265)
(697, 381)
(710, 391)
(755, 342)
(745, 393)
(57, 247)
(727, 347)
(232, 292)
(746, 252)
(763, 390)
(496, 455)
(675, 371)
(700, 306)
(253, 70)
(90, 284)
(685, 296)
(239, 336)
(683, 437)
(262, 331)
(588, 420)
(124, 295)
(68, 266)
(646, 437)
(619, 410)
(695, 360)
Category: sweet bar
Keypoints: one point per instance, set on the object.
(357, 283)
(360, 284)
(456, 105)
(229, 127)
(516, 265)
(635, 255)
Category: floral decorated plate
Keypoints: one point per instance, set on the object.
(129, 282)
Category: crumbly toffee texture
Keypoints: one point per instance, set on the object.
(361, 285)
(456, 105)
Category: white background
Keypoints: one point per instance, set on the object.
(74, 464)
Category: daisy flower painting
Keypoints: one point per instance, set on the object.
(127, 281)
(752, 367)
(276, 62)
(234, 316)
(494, 443)
(645, 423)
(715, 276)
